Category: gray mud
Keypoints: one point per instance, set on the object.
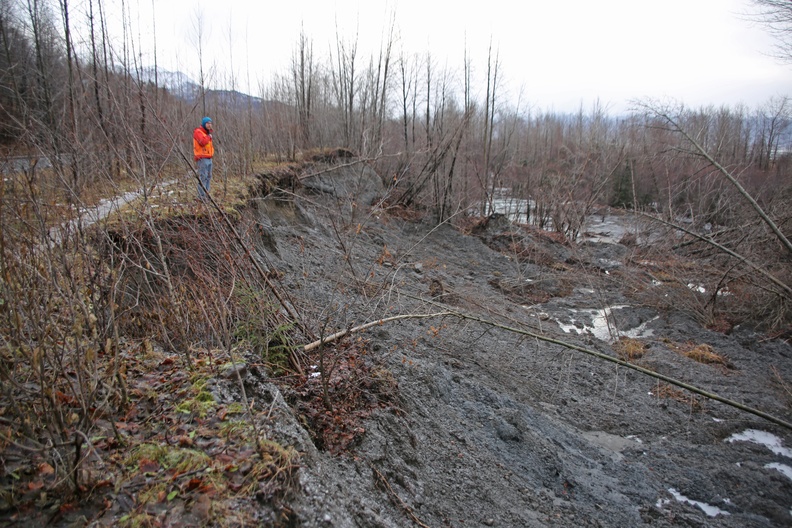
(494, 428)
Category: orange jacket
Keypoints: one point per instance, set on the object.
(202, 144)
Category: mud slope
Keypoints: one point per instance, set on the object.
(494, 428)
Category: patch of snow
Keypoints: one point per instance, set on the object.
(711, 511)
(610, 262)
(602, 329)
(783, 468)
(641, 330)
(514, 208)
(769, 440)
(567, 328)
(697, 287)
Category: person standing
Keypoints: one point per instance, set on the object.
(203, 150)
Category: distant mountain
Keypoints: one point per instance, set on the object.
(177, 83)
(234, 99)
(183, 87)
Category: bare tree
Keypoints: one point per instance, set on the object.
(776, 16)
(775, 119)
(345, 84)
(198, 27)
(302, 76)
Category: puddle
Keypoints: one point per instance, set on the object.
(769, 440)
(606, 228)
(602, 328)
(711, 511)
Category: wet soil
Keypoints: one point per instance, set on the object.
(495, 427)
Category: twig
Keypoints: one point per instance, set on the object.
(393, 494)
(703, 152)
(342, 333)
(650, 373)
(335, 167)
(672, 381)
(726, 250)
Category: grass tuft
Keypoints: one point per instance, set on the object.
(629, 349)
(700, 353)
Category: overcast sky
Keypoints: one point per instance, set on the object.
(555, 55)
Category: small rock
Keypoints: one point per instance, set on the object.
(202, 507)
(489, 522)
(232, 370)
(507, 432)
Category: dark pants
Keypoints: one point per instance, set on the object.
(205, 174)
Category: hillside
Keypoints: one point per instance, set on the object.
(474, 402)
(492, 427)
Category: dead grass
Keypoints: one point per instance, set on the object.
(667, 391)
(157, 454)
(629, 349)
(706, 354)
(701, 353)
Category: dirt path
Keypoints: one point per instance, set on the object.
(92, 214)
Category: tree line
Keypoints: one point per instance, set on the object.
(71, 91)
(85, 111)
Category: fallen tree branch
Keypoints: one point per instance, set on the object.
(703, 152)
(342, 333)
(651, 373)
(726, 250)
(599, 355)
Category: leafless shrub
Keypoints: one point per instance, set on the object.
(58, 345)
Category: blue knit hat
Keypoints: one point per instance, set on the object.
(205, 120)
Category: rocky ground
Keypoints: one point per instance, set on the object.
(478, 401)
(496, 427)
